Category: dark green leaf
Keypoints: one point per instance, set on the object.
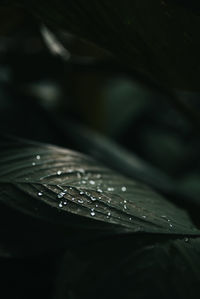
(69, 188)
(127, 269)
(159, 38)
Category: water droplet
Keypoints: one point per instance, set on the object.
(80, 201)
(99, 190)
(40, 193)
(109, 201)
(98, 176)
(73, 198)
(64, 203)
(33, 163)
(82, 193)
(93, 198)
(186, 240)
(96, 206)
(61, 195)
(124, 189)
(125, 207)
(83, 182)
(171, 225)
(144, 216)
(92, 182)
(92, 212)
(81, 170)
(99, 197)
(125, 201)
(110, 189)
(38, 157)
(70, 188)
(59, 172)
(108, 215)
(130, 218)
(60, 205)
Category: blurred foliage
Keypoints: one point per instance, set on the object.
(104, 93)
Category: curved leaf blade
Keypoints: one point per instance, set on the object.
(70, 188)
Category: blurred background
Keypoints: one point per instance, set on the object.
(57, 88)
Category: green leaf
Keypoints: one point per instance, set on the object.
(159, 38)
(129, 269)
(71, 189)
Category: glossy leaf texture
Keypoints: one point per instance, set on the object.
(68, 188)
(158, 38)
(130, 269)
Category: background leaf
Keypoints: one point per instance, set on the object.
(159, 38)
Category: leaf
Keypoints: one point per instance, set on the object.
(158, 269)
(71, 189)
(159, 38)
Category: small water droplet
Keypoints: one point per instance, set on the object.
(108, 215)
(110, 189)
(64, 203)
(82, 193)
(109, 201)
(80, 201)
(144, 216)
(125, 207)
(125, 201)
(59, 172)
(99, 197)
(81, 170)
(92, 182)
(186, 240)
(92, 212)
(98, 176)
(130, 218)
(60, 205)
(61, 195)
(124, 189)
(38, 157)
(70, 188)
(33, 163)
(73, 198)
(96, 206)
(171, 225)
(40, 193)
(93, 198)
(83, 182)
(99, 190)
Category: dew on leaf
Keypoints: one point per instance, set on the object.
(92, 182)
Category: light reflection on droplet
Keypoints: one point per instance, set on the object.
(124, 189)
(38, 157)
(59, 172)
(92, 182)
(40, 194)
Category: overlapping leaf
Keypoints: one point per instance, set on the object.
(67, 187)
